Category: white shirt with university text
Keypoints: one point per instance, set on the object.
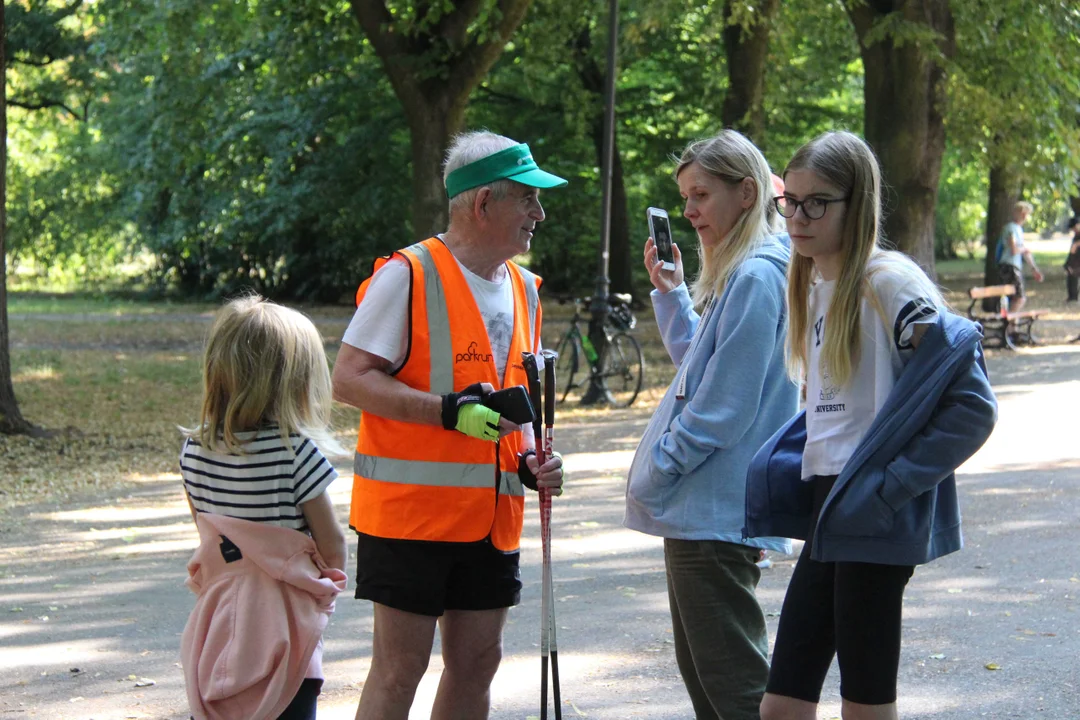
(838, 417)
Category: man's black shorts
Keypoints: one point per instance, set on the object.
(428, 578)
(1011, 275)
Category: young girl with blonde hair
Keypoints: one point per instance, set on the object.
(272, 553)
(897, 398)
(725, 334)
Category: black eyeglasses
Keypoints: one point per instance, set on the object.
(813, 207)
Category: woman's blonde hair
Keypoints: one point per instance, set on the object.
(731, 157)
(264, 365)
(845, 161)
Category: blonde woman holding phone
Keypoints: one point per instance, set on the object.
(725, 333)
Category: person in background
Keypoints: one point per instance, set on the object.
(1011, 255)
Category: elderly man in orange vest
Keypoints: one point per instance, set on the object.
(438, 478)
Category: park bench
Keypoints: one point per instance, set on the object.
(1006, 328)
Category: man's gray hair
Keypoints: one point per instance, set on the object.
(467, 148)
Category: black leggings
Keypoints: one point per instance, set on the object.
(851, 610)
(303, 703)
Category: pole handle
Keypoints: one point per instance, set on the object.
(550, 356)
(532, 372)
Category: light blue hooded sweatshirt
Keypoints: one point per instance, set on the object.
(688, 477)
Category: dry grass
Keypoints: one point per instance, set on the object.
(111, 386)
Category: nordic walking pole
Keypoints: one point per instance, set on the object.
(550, 357)
(532, 373)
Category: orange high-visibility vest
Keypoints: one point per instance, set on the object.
(420, 482)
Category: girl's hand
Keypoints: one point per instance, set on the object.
(663, 280)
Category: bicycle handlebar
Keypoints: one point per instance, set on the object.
(613, 299)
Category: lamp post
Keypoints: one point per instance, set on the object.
(597, 391)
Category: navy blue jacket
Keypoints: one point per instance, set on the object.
(895, 500)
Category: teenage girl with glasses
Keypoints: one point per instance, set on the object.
(896, 398)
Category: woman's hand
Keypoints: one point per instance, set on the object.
(663, 280)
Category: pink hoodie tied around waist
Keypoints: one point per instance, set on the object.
(255, 632)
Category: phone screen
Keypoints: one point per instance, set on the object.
(662, 236)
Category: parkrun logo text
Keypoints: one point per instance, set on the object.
(471, 355)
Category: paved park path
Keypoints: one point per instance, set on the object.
(92, 600)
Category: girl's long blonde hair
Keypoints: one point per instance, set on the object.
(731, 157)
(264, 365)
(847, 162)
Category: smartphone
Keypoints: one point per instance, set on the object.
(512, 403)
(660, 232)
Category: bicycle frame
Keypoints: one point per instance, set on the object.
(616, 340)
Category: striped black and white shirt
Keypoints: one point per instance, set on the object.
(267, 484)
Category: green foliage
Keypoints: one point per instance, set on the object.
(900, 31)
(547, 90)
(259, 143)
(58, 208)
(1014, 90)
(46, 41)
(62, 210)
(961, 207)
(672, 79)
(817, 82)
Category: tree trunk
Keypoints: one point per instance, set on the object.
(11, 420)
(433, 67)
(1074, 203)
(432, 123)
(1002, 196)
(746, 49)
(904, 95)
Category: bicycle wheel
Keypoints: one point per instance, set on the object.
(623, 369)
(571, 369)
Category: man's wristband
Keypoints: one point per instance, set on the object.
(452, 403)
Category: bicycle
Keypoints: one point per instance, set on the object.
(620, 367)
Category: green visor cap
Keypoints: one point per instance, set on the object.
(514, 163)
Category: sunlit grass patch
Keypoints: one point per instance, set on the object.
(42, 372)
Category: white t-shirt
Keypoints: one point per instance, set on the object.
(382, 328)
(838, 417)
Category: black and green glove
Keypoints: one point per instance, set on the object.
(463, 412)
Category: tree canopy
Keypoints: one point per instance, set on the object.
(284, 145)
